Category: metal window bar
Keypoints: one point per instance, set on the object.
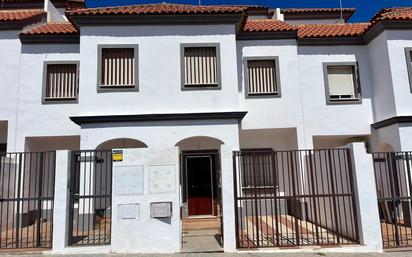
(294, 198)
(200, 65)
(262, 77)
(118, 67)
(90, 198)
(26, 199)
(61, 82)
(393, 186)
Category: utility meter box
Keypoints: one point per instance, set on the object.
(161, 210)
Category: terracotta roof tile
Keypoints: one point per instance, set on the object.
(19, 15)
(398, 13)
(62, 28)
(332, 30)
(163, 8)
(268, 25)
(317, 10)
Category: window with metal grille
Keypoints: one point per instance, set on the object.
(201, 67)
(262, 77)
(258, 168)
(341, 83)
(61, 83)
(118, 67)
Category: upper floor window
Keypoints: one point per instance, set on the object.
(262, 77)
(342, 83)
(60, 82)
(117, 68)
(201, 66)
(408, 52)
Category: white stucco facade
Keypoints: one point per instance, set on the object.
(166, 120)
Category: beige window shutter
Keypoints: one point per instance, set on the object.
(341, 81)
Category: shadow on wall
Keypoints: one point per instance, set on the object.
(154, 31)
(121, 143)
(47, 49)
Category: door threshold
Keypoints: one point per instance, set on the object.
(202, 217)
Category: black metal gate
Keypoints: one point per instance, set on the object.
(393, 187)
(90, 197)
(26, 199)
(294, 198)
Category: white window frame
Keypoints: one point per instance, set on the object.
(183, 71)
(356, 82)
(275, 59)
(62, 101)
(103, 88)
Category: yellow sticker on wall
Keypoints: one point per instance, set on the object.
(117, 155)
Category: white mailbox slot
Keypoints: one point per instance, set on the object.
(161, 210)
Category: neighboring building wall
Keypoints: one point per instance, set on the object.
(34, 118)
(397, 41)
(10, 61)
(284, 111)
(383, 91)
(319, 118)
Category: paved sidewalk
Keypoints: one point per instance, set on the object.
(387, 254)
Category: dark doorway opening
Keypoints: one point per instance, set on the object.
(200, 184)
(202, 217)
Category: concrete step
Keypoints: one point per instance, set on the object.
(201, 223)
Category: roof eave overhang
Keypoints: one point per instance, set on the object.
(326, 41)
(377, 28)
(83, 120)
(392, 121)
(20, 24)
(50, 39)
(179, 19)
(266, 35)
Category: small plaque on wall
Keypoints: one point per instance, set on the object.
(129, 211)
(129, 180)
(162, 179)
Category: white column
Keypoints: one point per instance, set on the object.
(226, 153)
(61, 201)
(366, 199)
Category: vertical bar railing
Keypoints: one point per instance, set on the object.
(394, 188)
(294, 198)
(26, 192)
(90, 198)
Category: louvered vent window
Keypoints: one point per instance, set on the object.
(201, 67)
(118, 67)
(61, 82)
(262, 77)
(342, 83)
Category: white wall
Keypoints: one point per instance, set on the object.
(34, 118)
(383, 93)
(397, 42)
(146, 234)
(9, 81)
(168, 134)
(338, 119)
(159, 70)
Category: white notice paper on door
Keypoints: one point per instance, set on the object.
(162, 179)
